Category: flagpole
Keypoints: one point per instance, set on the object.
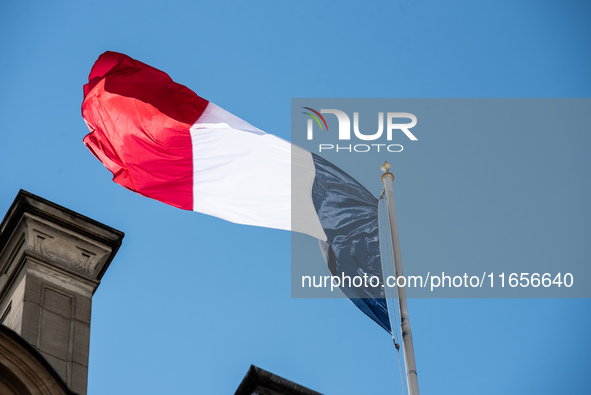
(407, 347)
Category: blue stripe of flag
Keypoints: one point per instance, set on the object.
(349, 215)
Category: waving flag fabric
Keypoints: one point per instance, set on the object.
(161, 140)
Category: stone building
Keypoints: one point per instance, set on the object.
(51, 262)
(260, 382)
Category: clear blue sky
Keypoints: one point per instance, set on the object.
(191, 301)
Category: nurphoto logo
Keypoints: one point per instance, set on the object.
(394, 126)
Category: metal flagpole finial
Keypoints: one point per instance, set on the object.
(386, 168)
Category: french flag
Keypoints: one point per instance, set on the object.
(161, 140)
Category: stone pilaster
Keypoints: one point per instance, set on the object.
(51, 262)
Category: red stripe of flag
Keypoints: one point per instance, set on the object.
(139, 120)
